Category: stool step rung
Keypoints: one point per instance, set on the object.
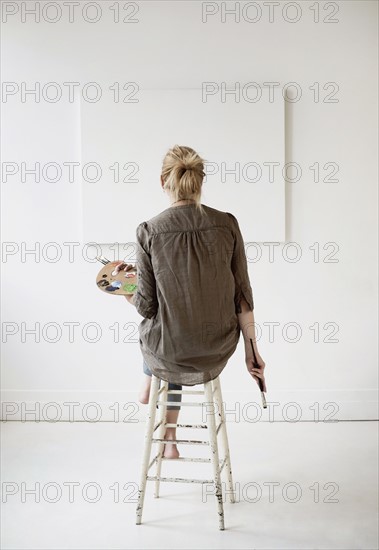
(180, 441)
(173, 425)
(181, 403)
(183, 458)
(187, 392)
(179, 479)
(188, 459)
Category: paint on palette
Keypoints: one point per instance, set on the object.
(129, 287)
(113, 286)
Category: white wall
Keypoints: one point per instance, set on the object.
(171, 47)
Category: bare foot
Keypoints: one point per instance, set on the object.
(170, 449)
(145, 390)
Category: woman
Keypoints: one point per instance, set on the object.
(193, 287)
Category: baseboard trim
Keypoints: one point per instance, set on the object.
(240, 406)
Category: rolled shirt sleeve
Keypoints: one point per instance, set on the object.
(239, 268)
(145, 297)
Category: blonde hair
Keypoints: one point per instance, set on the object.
(183, 173)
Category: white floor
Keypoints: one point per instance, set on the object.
(338, 460)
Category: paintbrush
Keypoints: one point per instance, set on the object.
(257, 366)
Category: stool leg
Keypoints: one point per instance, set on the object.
(150, 420)
(224, 436)
(161, 433)
(214, 452)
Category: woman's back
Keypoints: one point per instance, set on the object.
(192, 274)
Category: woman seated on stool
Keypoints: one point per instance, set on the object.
(193, 288)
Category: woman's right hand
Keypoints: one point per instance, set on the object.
(256, 373)
(119, 265)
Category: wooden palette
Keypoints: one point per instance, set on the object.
(121, 284)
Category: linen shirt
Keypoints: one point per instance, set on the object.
(191, 276)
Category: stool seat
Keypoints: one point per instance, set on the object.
(215, 424)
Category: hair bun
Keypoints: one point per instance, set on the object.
(183, 173)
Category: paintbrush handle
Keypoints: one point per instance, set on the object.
(256, 365)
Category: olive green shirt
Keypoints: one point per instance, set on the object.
(191, 276)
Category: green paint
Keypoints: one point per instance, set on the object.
(129, 287)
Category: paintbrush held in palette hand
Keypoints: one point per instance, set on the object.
(120, 282)
(257, 366)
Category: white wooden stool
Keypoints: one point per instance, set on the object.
(215, 410)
